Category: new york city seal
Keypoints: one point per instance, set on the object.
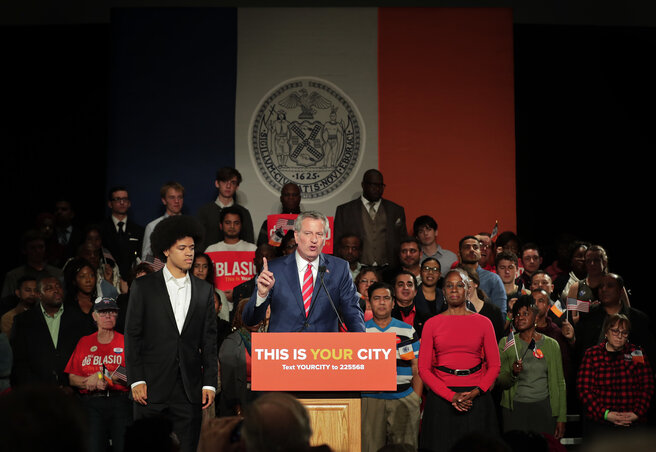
(306, 131)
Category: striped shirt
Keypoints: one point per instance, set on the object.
(407, 350)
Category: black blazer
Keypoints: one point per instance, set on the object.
(124, 249)
(36, 360)
(154, 349)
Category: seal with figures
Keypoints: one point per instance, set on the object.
(306, 131)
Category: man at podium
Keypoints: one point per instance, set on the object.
(307, 291)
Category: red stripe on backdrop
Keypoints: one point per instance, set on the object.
(446, 116)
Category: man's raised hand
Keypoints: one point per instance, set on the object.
(265, 280)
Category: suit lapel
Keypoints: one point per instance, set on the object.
(291, 272)
(317, 283)
(43, 328)
(193, 302)
(163, 294)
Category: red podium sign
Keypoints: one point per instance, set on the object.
(323, 362)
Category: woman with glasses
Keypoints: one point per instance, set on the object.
(615, 381)
(589, 331)
(430, 298)
(458, 363)
(96, 369)
(531, 377)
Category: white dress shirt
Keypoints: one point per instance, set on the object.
(301, 267)
(179, 294)
(367, 204)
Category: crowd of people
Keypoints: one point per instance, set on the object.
(491, 340)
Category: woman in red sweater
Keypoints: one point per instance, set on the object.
(458, 362)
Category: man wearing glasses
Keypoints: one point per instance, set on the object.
(380, 222)
(122, 236)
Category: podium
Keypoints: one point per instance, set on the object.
(326, 372)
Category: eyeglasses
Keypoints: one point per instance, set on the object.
(375, 184)
(120, 199)
(618, 332)
(367, 281)
(430, 269)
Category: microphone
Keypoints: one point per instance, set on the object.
(322, 271)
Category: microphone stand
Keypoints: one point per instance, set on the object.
(322, 271)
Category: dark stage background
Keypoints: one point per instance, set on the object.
(584, 98)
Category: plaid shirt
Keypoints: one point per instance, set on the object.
(615, 382)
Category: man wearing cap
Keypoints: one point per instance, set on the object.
(96, 370)
(170, 334)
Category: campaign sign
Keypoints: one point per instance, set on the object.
(232, 268)
(278, 225)
(323, 362)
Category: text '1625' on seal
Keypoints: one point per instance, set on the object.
(306, 131)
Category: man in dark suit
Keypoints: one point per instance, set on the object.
(379, 222)
(170, 334)
(120, 235)
(292, 286)
(44, 337)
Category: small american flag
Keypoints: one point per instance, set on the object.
(578, 305)
(157, 264)
(121, 375)
(510, 340)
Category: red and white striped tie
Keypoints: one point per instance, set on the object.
(307, 289)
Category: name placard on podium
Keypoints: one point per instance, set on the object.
(323, 362)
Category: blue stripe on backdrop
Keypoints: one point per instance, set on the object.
(172, 102)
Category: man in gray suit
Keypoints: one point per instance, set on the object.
(378, 222)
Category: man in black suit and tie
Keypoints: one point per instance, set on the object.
(170, 334)
(378, 222)
(44, 337)
(120, 235)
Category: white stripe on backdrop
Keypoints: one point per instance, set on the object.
(336, 45)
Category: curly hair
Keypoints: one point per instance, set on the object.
(171, 229)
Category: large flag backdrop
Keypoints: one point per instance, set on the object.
(318, 96)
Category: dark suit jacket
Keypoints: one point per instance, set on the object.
(287, 310)
(348, 220)
(154, 349)
(125, 249)
(36, 360)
